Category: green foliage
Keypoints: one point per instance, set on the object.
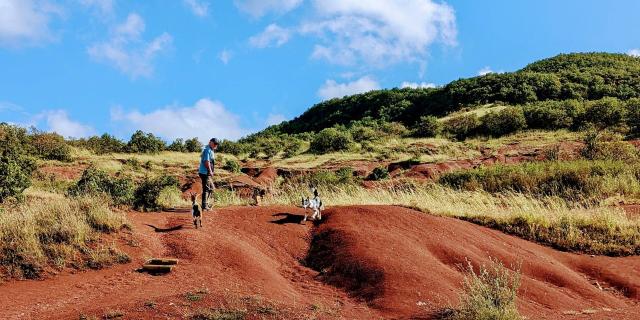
(462, 126)
(508, 120)
(292, 147)
(554, 114)
(50, 146)
(16, 165)
(193, 145)
(606, 112)
(232, 166)
(141, 142)
(147, 194)
(378, 174)
(331, 140)
(177, 145)
(361, 133)
(427, 127)
(95, 182)
(104, 144)
(605, 145)
(589, 76)
(231, 147)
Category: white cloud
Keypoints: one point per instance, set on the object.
(273, 119)
(104, 7)
(26, 22)
(484, 71)
(415, 85)
(332, 89)
(58, 121)
(259, 8)
(127, 51)
(634, 53)
(225, 56)
(272, 36)
(205, 119)
(198, 7)
(379, 33)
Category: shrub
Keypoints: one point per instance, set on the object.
(394, 128)
(462, 126)
(147, 194)
(292, 147)
(362, 134)
(547, 115)
(193, 145)
(16, 165)
(105, 144)
(96, 182)
(141, 142)
(50, 146)
(177, 146)
(231, 147)
(605, 145)
(489, 294)
(606, 112)
(428, 127)
(508, 120)
(633, 115)
(331, 140)
(171, 197)
(232, 166)
(379, 173)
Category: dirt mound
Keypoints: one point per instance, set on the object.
(267, 177)
(408, 264)
(360, 263)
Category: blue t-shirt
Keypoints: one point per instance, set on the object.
(207, 155)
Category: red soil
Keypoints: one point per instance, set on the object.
(374, 262)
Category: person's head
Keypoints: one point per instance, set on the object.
(213, 143)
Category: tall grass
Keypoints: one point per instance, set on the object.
(56, 232)
(489, 294)
(576, 226)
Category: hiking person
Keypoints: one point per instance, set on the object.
(207, 162)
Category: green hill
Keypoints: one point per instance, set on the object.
(581, 76)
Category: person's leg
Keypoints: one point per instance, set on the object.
(204, 179)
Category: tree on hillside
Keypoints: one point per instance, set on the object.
(145, 143)
(16, 165)
(193, 145)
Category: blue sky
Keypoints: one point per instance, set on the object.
(184, 68)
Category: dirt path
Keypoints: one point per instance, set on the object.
(374, 262)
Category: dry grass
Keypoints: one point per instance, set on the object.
(591, 228)
(53, 231)
(489, 293)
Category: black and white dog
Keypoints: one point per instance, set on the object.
(315, 204)
(196, 213)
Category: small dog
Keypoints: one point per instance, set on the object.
(315, 204)
(196, 213)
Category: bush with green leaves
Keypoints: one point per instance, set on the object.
(50, 146)
(505, 121)
(606, 145)
(232, 147)
(378, 174)
(331, 140)
(427, 127)
(232, 166)
(633, 115)
(553, 115)
(462, 126)
(16, 165)
(95, 182)
(193, 145)
(361, 134)
(606, 112)
(177, 146)
(292, 147)
(147, 194)
(104, 144)
(141, 142)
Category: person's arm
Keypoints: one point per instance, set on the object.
(209, 167)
